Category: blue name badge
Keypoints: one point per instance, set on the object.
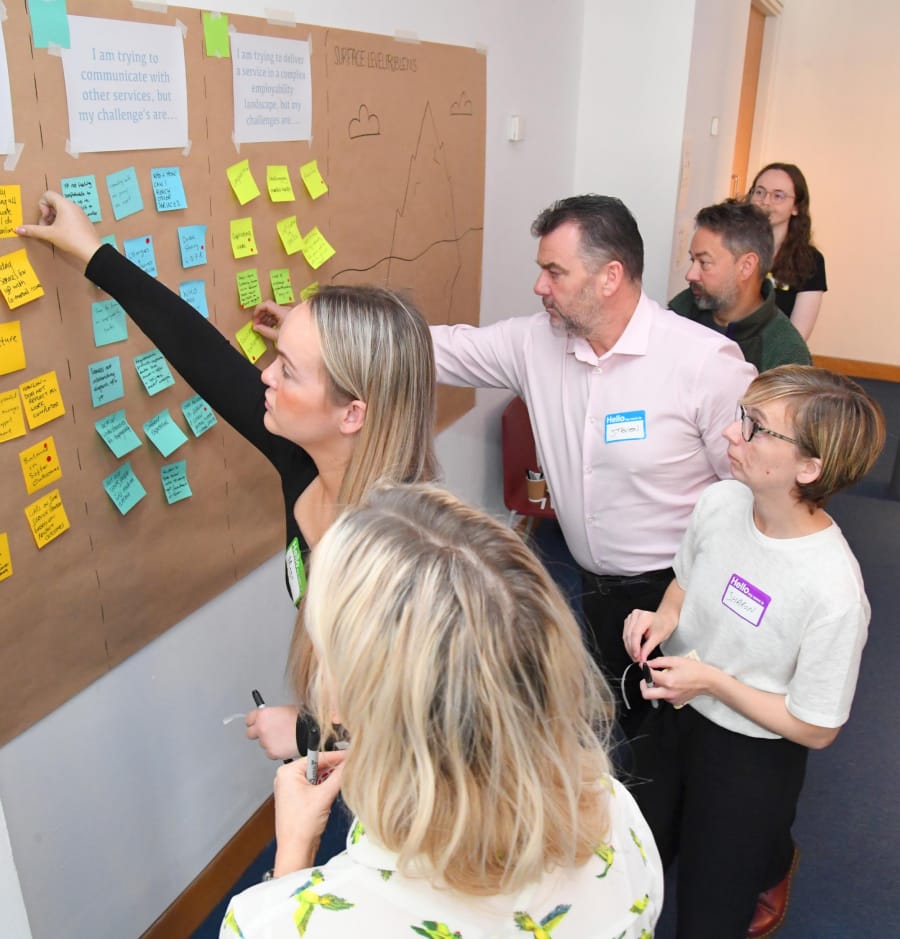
(626, 425)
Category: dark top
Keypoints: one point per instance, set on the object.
(786, 296)
(205, 359)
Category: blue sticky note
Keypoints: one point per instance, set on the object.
(168, 189)
(49, 23)
(124, 193)
(194, 292)
(124, 488)
(110, 324)
(117, 433)
(82, 190)
(174, 481)
(106, 381)
(192, 241)
(140, 251)
(110, 240)
(164, 433)
(153, 371)
(199, 415)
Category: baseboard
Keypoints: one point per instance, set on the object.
(199, 898)
(857, 369)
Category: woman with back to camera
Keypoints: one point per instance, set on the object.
(350, 398)
(798, 271)
(762, 631)
(477, 770)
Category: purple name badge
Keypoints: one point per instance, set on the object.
(749, 602)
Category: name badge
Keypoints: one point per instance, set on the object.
(749, 602)
(626, 425)
(296, 572)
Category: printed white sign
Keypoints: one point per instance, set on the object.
(7, 134)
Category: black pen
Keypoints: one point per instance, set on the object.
(258, 699)
(648, 678)
(312, 755)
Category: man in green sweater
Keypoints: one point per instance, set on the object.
(731, 252)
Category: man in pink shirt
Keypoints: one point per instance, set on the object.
(627, 401)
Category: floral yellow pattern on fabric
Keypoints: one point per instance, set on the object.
(308, 900)
(431, 929)
(545, 927)
(231, 923)
(357, 831)
(640, 847)
(640, 905)
(606, 853)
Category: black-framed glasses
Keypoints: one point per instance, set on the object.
(778, 195)
(750, 428)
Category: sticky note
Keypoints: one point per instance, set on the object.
(117, 433)
(164, 433)
(282, 289)
(215, 35)
(10, 210)
(47, 518)
(82, 190)
(289, 234)
(316, 249)
(278, 182)
(124, 193)
(175, 481)
(242, 182)
(12, 420)
(312, 179)
(168, 189)
(6, 568)
(109, 321)
(250, 341)
(140, 251)
(243, 244)
(199, 415)
(12, 348)
(18, 280)
(192, 242)
(43, 399)
(249, 293)
(40, 465)
(105, 378)
(110, 240)
(49, 24)
(124, 488)
(309, 291)
(194, 292)
(153, 371)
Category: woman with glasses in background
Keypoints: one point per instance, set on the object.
(798, 271)
(761, 633)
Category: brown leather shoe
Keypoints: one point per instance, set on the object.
(771, 907)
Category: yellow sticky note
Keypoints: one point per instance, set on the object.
(5, 557)
(278, 182)
(316, 249)
(43, 399)
(12, 349)
(242, 181)
(249, 293)
(309, 291)
(290, 235)
(10, 210)
(253, 345)
(18, 280)
(282, 289)
(40, 465)
(312, 179)
(215, 35)
(243, 244)
(47, 518)
(12, 420)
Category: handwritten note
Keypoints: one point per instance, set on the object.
(278, 182)
(316, 249)
(250, 341)
(242, 182)
(47, 518)
(40, 465)
(12, 420)
(124, 488)
(124, 193)
(192, 242)
(199, 415)
(309, 291)
(105, 378)
(109, 322)
(6, 568)
(117, 433)
(249, 293)
(10, 210)
(194, 292)
(153, 371)
(289, 234)
(140, 251)
(164, 433)
(312, 179)
(18, 280)
(175, 481)
(168, 189)
(243, 244)
(215, 35)
(43, 399)
(82, 190)
(282, 289)
(12, 348)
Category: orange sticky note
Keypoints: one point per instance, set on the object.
(18, 281)
(5, 557)
(47, 518)
(12, 349)
(278, 182)
(242, 181)
(40, 465)
(316, 249)
(43, 399)
(10, 210)
(250, 341)
(312, 179)
(12, 421)
(290, 235)
(243, 244)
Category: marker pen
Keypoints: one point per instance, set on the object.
(648, 678)
(312, 755)
(258, 699)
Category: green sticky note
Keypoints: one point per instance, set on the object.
(282, 289)
(164, 433)
(249, 293)
(252, 344)
(175, 482)
(215, 34)
(124, 488)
